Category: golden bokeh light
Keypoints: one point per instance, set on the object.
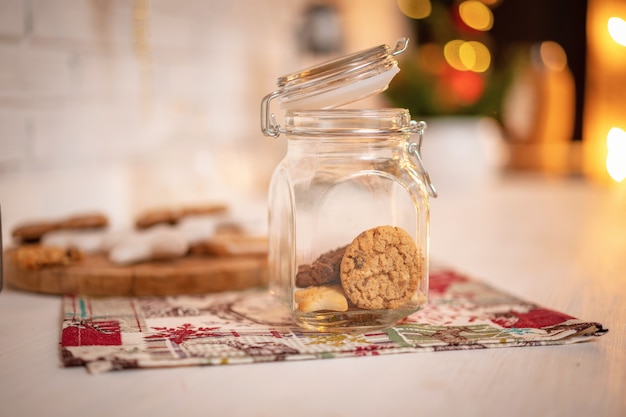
(475, 56)
(553, 56)
(415, 9)
(467, 56)
(476, 15)
(603, 157)
(616, 154)
(491, 2)
(617, 30)
(451, 52)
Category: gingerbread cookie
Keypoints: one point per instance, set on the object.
(208, 209)
(156, 216)
(172, 216)
(323, 270)
(230, 245)
(84, 221)
(32, 232)
(381, 268)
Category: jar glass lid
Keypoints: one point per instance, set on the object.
(334, 83)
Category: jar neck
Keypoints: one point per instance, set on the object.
(347, 149)
(355, 147)
(347, 125)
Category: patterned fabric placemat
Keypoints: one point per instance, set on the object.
(114, 333)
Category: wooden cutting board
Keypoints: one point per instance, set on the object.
(96, 275)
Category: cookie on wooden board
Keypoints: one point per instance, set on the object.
(84, 221)
(172, 216)
(32, 232)
(39, 256)
(153, 217)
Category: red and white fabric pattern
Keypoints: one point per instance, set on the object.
(114, 333)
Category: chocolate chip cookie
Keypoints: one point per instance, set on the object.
(381, 268)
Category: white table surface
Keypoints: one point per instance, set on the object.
(561, 243)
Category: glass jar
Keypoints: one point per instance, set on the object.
(348, 173)
(349, 203)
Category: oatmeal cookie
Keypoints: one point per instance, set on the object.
(323, 270)
(381, 268)
(39, 256)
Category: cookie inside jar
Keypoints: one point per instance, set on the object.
(375, 280)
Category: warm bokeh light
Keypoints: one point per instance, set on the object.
(415, 9)
(451, 52)
(616, 154)
(465, 86)
(553, 56)
(603, 154)
(475, 56)
(476, 15)
(467, 56)
(617, 30)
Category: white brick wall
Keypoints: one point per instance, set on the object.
(101, 109)
(12, 18)
(13, 133)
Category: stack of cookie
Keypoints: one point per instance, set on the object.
(190, 250)
(380, 269)
(157, 235)
(38, 241)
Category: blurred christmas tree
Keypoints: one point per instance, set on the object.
(452, 71)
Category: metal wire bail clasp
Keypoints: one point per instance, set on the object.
(415, 150)
(269, 126)
(401, 45)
